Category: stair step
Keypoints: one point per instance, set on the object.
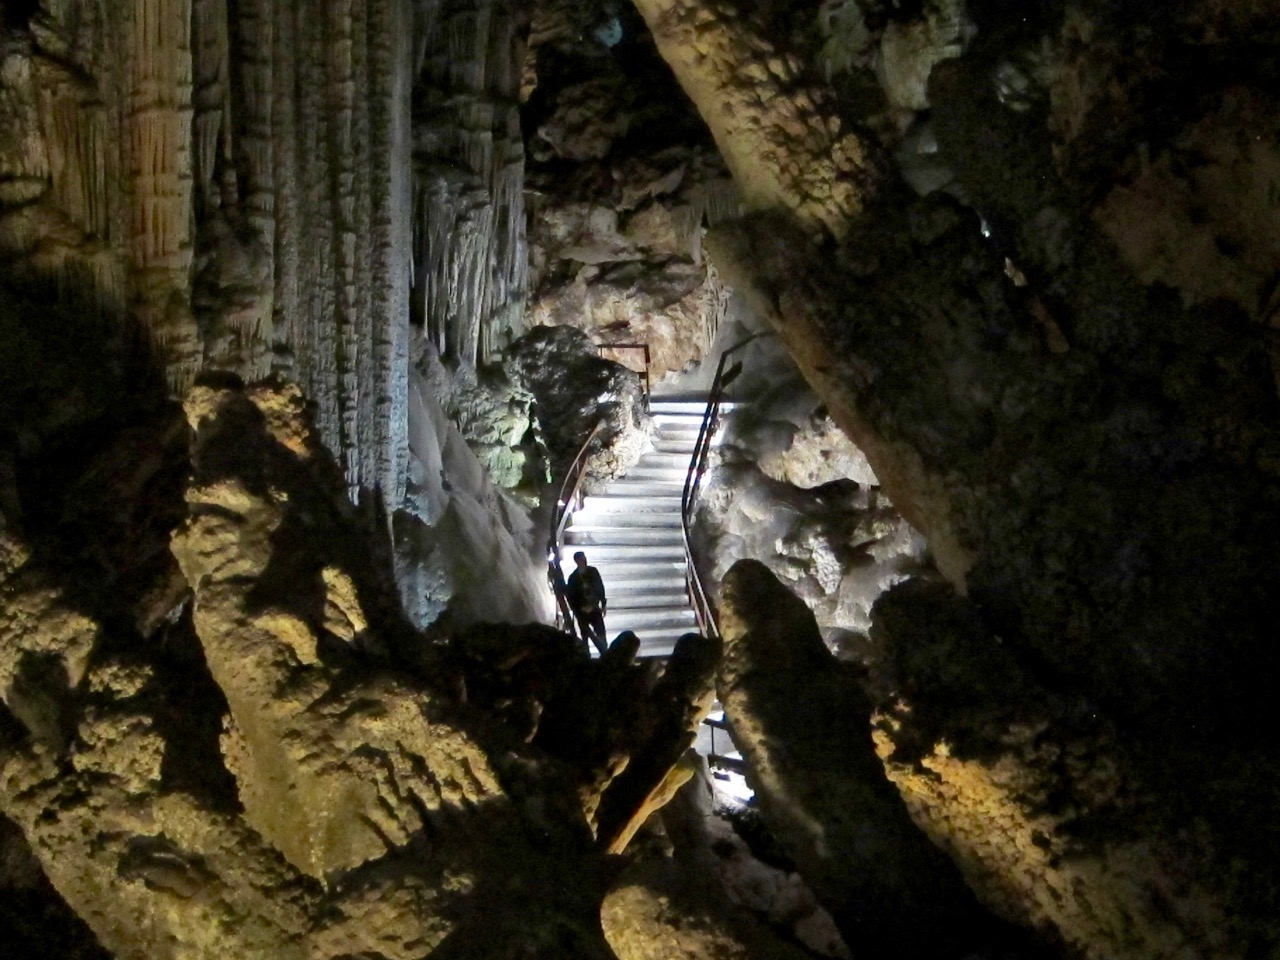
(611, 554)
(675, 617)
(666, 579)
(590, 517)
(647, 488)
(666, 414)
(679, 461)
(678, 405)
(611, 536)
(664, 473)
(677, 432)
(620, 602)
(695, 404)
(609, 502)
(630, 531)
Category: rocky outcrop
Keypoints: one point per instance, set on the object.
(778, 131)
(660, 764)
(465, 544)
(789, 488)
(622, 179)
(345, 809)
(1079, 447)
(623, 734)
(35, 919)
(838, 546)
(1039, 802)
(802, 723)
(330, 774)
(709, 842)
(654, 913)
(577, 392)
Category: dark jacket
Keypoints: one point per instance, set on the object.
(585, 589)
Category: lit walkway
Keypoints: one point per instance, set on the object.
(631, 532)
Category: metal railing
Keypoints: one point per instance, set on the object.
(644, 372)
(567, 500)
(703, 608)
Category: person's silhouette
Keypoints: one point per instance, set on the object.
(585, 592)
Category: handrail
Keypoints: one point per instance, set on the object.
(559, 519)
(644, 347)
(704, 610)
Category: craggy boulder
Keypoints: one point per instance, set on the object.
(330, 771)
(803, 726)
(656, 911)
(1034, 796)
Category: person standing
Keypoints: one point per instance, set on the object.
(585, 591)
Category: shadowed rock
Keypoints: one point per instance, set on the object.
(802, 724)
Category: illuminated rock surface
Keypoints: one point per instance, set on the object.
(1026, 262)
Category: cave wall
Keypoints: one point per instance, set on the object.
(468, 250)
(260, 188)
(1061, 369)
(230, 185)
(1037, 364)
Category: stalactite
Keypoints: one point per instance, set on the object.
(470, 257)
(286, 301)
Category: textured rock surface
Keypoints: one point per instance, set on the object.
(622, 177)
(1034, 797)
(709, 845)
(232, 184)
(35, 919)
(659, 765)
(802, 723)
(622, 732)
(838, 546)
(779, 133)
(789, 488)
(330, 774)
(575, 391)
(654, 913)
(469, 256)
(1062, 372)
(165, 836)
(1079, 447)
(465, 545)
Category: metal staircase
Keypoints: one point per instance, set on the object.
(631, 531)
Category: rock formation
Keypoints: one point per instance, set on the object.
(581, 397)
(1025, 258)
(1079, 446)
(802, 723)
(344, 806)
(622, 179)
